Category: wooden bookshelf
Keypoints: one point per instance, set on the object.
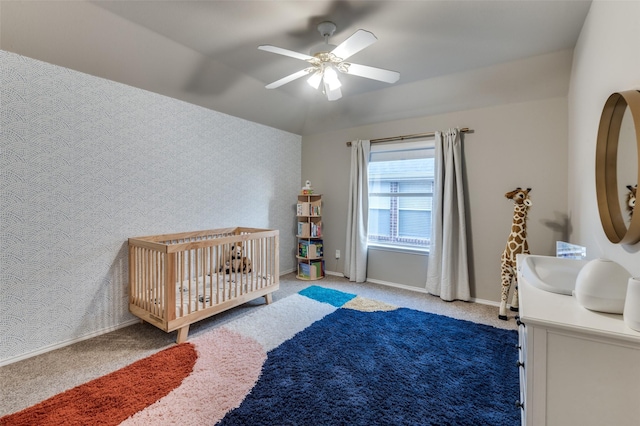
(310, 250)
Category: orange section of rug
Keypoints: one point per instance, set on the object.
(112, 398)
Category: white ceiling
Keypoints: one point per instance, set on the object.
(451, 55)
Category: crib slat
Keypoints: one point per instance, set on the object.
(188, 272)
(170, 294)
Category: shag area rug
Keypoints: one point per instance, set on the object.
(319, 357)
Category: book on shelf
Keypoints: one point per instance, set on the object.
(310, 249)
(317, 268)
(304, 270)
(316, 229)
(302, 209)
(308, 209)
(304, 229)
(310, 229)
(311, 270)
(314, 208)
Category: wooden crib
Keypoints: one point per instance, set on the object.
(178, 279)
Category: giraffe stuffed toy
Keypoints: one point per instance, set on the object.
(631, 199)
(516, 244)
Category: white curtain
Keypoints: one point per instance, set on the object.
(355, 259)
(448, 271)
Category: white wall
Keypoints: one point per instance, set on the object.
(606, 60)
(87, 163)
(521, 144)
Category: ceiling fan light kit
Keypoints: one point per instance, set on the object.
(327, 60)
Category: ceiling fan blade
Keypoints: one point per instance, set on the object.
(285, 52)
(289, 78)
(358, 41)
(373, 73)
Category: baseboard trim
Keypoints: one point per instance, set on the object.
(398, 285)
(486, 302)
(412, 288)
(68, 342)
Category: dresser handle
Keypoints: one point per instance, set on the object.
(520, 364)
(518, 347)
(519, 404)
(520, 323)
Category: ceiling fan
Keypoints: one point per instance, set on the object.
(326, 59)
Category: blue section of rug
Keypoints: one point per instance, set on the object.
(401, 367)
(326, 295)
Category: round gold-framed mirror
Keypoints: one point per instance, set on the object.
(607, 182)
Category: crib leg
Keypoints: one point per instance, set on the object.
(182, 334)
(268, 299)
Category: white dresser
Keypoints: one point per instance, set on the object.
(577, 367)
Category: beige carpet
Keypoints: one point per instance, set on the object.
(28, 382)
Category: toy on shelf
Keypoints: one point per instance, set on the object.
(307, 189)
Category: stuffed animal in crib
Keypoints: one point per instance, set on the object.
(631, 199)
(516, 244)
(239, 262)
(236, 261)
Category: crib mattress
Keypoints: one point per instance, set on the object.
(211, 291)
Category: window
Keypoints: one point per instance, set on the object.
(400, 194)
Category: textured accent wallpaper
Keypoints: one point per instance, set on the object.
(87, 163)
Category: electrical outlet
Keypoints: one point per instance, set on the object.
(337, 254)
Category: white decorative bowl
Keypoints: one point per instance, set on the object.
(632, 304)
(601, 285)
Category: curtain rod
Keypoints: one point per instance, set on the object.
(415, 136)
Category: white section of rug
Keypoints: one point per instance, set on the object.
(276, 323)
